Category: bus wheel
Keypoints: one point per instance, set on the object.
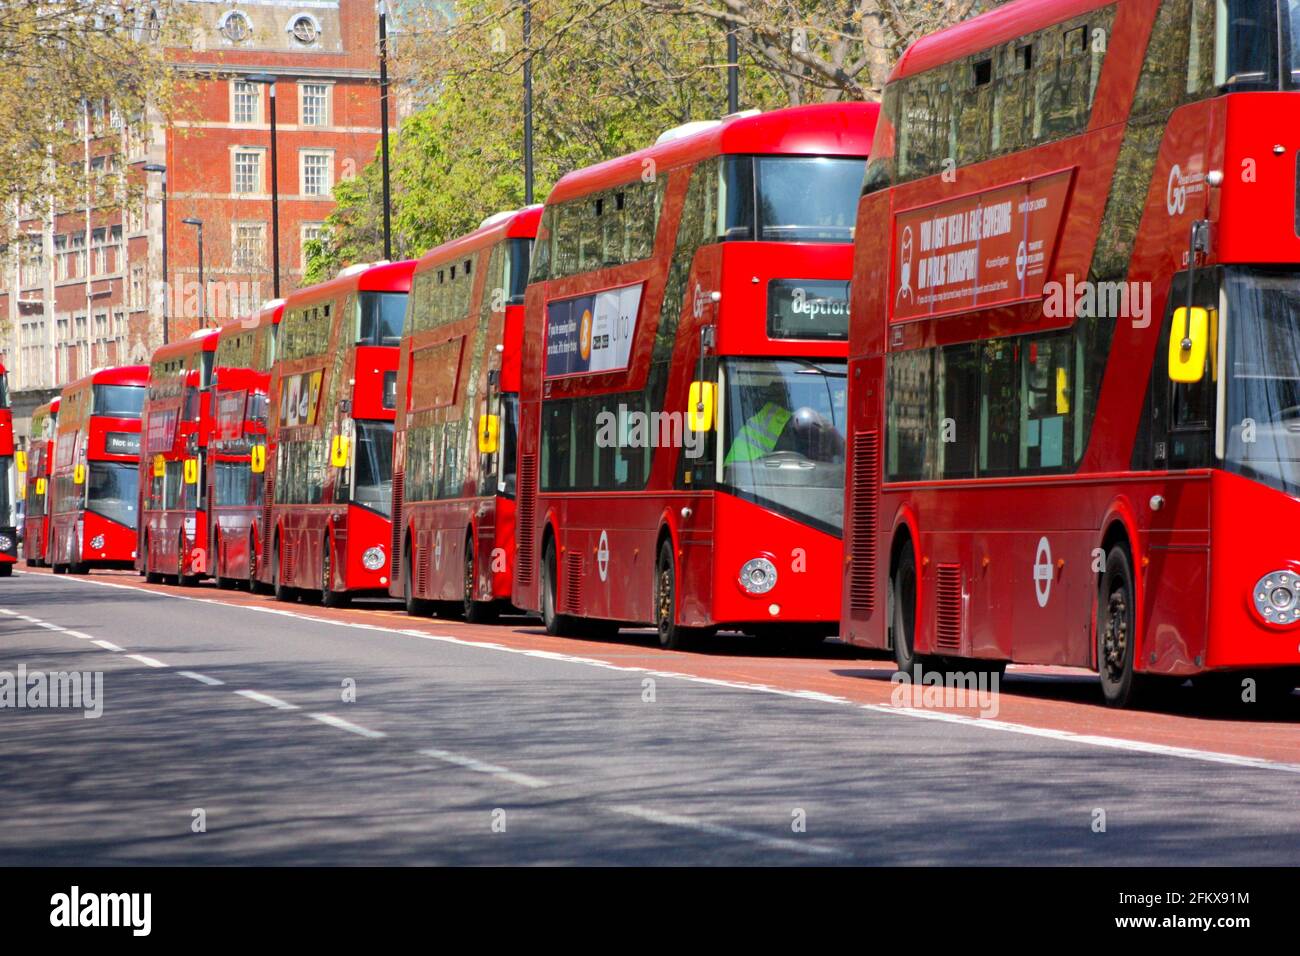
(1117, 630)
(59, 568)
(282, 592)
(476, 612)
(416, 607)
(672, 636)
(6, 570)
(556, 623)
(903, 598)
(328, 596)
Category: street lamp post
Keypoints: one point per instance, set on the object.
(203, 291)
(383, 123)
(269, 80)
(733, 72)
(160, 168)
(528, 103)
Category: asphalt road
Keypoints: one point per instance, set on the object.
(497, 745)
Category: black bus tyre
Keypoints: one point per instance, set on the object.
(415, 607)
(280, 589)
(902, 593)
(1117, 631)
(672, 636)
(475, 612)
(556, 624)
(6, 570)
(328, 596)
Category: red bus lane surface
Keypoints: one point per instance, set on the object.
(1051, 701)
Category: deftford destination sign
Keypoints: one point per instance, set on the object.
(984, 249)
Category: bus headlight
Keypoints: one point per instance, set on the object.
(758, 575)
(6, 542)
(373, 558)
(1277, 597)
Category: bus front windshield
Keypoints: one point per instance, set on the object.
(119, 401)
(111, 491)
(783, 434)
(791, 198)
(380, 317)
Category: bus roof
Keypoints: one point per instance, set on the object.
(118, 375)
(999, 25)
(268, 314)
(382, 277)
(205, 340)
(821, 129)
(519, 224)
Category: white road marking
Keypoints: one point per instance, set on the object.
(478, 766)
(48, 626)
(107, 645)
(718, 830)
(5, 610)
(146, 661)
(347, 725)
(1113, 743)
(202, 678)
(267, 699)
(1093, 740)
(81, 634)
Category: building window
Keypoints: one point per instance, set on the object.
(317, 169)
(99, 253)
(305, 29)
(246, 102)
(235, 27)
(137, 287)
(311, 231)
(315, 104)
(248, 242)
(248, 171)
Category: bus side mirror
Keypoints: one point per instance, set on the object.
(1189, 337)
(79, 475)
(191, 471)
(257, 459)
(40, 486)
(488, 428)
(20, 459)
(159, 466)
(699, 406)
(340, 449)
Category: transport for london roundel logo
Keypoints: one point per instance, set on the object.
(584, 335)
(1043, 571)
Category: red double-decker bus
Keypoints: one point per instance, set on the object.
(1075, 372)
(237, 448)
(329, 466)
(40, 456)
(95, 475)
(456, 431)
(682, 384)
(177, 422)
(10, 478)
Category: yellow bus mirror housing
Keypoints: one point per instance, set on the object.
(699, 406)
(191, 471)
(40, 486)
(159, 466)
(488, 428)
(79, 475)
(340, 450)
(20, 459)
(257, 459)
(1189, 337)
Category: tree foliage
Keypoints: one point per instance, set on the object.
(59, 58)
(609, 76)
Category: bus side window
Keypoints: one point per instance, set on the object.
(956, 383)
(999, 415)
(907, 452)
(1046, 404)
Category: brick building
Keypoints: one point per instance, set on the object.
(85, 288)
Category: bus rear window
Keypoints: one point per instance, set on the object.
(119, 401)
